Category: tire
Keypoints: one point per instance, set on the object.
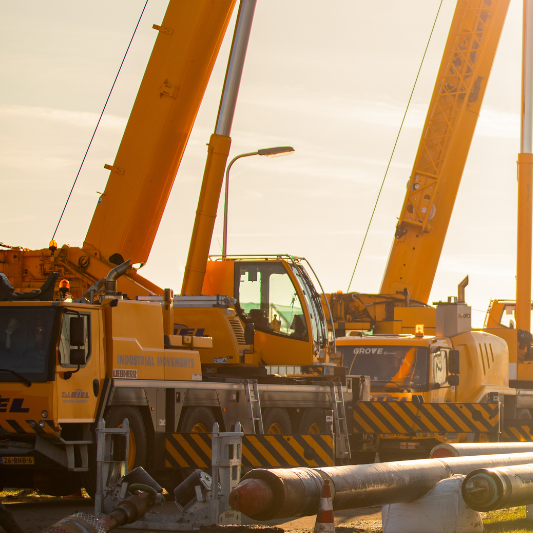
(313, 422)
(523, 414)
(138, 448)
(276, 421)
(363, 458)
(197, 420)
(64, 485)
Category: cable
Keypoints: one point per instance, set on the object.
(98, 123)
(394, 148)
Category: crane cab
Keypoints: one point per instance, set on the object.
(277, 296)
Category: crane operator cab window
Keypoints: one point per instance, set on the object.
(508, 317)
(267, 297)
(74, 344)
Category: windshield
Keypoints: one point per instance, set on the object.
(25, 338)
(314, 304)
(268, 298)
(508, 318)
(388, 366)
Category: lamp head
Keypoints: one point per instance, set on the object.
(276, 151)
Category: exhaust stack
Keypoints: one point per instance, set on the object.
(111, 280)
(461, 291)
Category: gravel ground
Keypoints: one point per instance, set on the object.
(34, 512)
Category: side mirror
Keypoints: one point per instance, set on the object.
(453, 380)
(77, 331)
(453, 362)
(249, 333)
(78, 356)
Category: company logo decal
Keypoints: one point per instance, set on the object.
(358, 351)
(150, 360)
(75, 396)
(189, 332)
(16, 405)
(124, 374)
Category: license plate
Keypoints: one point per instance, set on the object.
(17, 460)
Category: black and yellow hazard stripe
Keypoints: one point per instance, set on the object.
(29, 427)
(193, 450)
(409, 418)
(518, 431)
(287, 451)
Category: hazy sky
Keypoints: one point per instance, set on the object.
(330, 78)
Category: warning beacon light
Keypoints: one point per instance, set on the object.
(419, 330)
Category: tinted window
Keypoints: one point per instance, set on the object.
(26, 341)
(405, 366)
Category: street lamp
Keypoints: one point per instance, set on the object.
(269, 152)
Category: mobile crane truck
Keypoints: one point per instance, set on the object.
(145, 358)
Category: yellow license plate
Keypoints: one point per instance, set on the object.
(17, 460)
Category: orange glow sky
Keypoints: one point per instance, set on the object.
(330, 78)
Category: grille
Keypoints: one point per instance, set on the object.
(238, 330)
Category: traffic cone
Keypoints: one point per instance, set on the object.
(324, 519)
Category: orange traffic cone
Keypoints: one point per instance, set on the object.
(324, 519)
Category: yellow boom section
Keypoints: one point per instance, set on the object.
(443, 149)
(128, 214)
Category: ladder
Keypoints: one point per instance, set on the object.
(254, 406)
(342, 440)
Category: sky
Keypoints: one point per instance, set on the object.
(331, 79)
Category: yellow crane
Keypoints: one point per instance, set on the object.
(435, 178)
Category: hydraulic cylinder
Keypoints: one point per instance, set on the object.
(265, 494)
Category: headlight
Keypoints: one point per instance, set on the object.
(44, 414)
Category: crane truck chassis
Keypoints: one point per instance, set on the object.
(66, 364)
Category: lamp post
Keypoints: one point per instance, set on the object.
(269, 152)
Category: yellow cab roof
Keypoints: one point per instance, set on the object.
(385, 340)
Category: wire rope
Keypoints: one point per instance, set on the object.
(395, 144)
(99, 120)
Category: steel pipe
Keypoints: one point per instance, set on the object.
(479, 448)
(487, 489)
(265, 494)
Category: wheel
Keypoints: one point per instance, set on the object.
(198, 420)
(64, 485)
(138, 450)
(363, 458)
(313, 422)
(276, 421)
(523, 414)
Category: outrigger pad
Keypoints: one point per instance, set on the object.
(44, 294)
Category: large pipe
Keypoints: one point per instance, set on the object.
(487, 489)
(479, 448)
(283, 493)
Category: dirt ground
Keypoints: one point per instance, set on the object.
(34, 513)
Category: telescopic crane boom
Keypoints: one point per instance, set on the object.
(129, 211)
(434, 181)
(443, 150)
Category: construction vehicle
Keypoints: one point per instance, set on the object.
(66, 364)
(75, 349)
(423, 359)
